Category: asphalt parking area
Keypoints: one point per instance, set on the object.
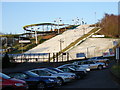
(95, 79)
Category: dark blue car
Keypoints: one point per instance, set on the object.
(34, 80)
(55, 69)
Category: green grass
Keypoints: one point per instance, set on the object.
(116, 70)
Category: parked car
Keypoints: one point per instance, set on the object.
(77, 67)
(34, 80)
(79, 74)
(8, 83)
(91, 64)
(100, 59)
(62, 77)
(60, 71)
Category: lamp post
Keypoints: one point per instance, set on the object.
(20, 39)
(95, 19)
(76, 21)
(82, 22)
(99, 21)
(36, 34)
(83, 30)
(58, 21)
(61, 41)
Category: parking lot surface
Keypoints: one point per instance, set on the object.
(95, 79)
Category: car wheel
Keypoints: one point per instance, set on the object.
(100, 67)
(79, 77)
(60, 82)
(40, 85)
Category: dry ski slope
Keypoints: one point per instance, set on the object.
(53, 44)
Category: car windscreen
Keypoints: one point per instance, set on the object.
(51, 71)
(4, 76)
(73, 68)
(32, 74)
(58, 70)
(100, 58)
(93, 58)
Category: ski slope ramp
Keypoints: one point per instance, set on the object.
(53, 45)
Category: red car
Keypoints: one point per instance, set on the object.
(8, 83)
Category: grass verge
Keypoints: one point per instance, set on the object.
(116, 70)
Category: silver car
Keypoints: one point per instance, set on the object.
(76, 66)
(62, 77)
(91, 64)
(99, 59)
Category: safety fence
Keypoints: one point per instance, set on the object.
(38, 57)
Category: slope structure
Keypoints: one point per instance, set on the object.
(92, 47)
(61, 41)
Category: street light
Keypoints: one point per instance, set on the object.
(95, 19)
(82, 22)
(36, 34)
(83, 30)
(21, 44)
(58, 21)
(76, 21)
(61, 41)
(99, 22)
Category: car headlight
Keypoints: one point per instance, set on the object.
(51, 80)
(88, 69)
(19, 84)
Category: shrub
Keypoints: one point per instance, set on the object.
(6, 61)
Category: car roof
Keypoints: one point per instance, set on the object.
(38, 69)
(83, 61)
(64, 65)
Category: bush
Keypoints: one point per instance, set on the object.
(6, 61)
(116, 70)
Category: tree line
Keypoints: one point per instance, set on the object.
(110, 25)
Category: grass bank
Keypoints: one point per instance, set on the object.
(116, 70)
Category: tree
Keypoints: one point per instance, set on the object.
(110, 25)
(6, 61)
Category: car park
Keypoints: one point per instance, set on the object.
(62, 77)
(91, 64)
(79, 74)
(34, 80)
(8, 83)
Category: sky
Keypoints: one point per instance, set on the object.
(15, 15)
